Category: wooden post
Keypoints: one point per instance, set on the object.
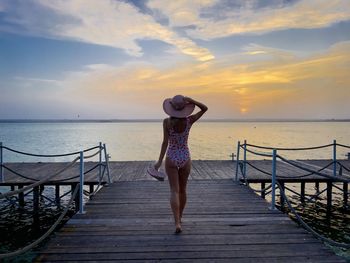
(273, 181)
(2, 179)
(263, 191)
(317, 186)
(281, 195)
(36, 219)
(76, 199)
(329, 198)
(21, 196)
(345, 194)
(91, 188)
(237, 162)
(302, 192)
(36, 192)
(57, 195)
(12, 188)
(41, 189)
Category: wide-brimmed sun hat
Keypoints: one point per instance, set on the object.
(155, 173)
(177, 107)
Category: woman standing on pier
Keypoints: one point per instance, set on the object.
(176, 129)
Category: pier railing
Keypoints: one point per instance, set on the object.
(34, 184)
(276, 183)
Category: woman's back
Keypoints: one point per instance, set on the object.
(178, 133)
(177, 124)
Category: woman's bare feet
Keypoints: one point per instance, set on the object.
(178, 229)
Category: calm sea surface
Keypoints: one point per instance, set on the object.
(127, 141)
(141, 141)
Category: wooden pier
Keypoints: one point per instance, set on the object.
(223, 222)
(130, 219)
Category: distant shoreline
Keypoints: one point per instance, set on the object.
(159, 120)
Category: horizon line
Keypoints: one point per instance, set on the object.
(94, 120)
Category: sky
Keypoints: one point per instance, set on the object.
(113, 59)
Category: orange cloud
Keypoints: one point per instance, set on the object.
(298, 85)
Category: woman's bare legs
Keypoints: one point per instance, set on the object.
(178, 183)
(173, 176)
(184, 173)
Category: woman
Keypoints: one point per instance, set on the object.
(178, 161)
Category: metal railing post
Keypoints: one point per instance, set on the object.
(81, 188)
(100, 163)
(334, 157)
(107, 164)
(2, 179)
(245, 159)
(237, 162)
(273, 180)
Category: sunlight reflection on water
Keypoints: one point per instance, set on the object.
(141, 140)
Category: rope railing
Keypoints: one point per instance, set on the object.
(258, 169)
(18, 174)
(343, 145)
(48, 155)
(257, 153)
(51, 229)
(28, 187)
(343, 166)
(305, 225)
(103, 166)
(342, 179)
(334, 176)
(288, 177)
(310, 171)
(94, 154)
(291, 149)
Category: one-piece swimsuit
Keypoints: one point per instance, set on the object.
(178, 151)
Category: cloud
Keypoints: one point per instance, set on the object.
(181, 12)
(212, 19)
(37, 80)
(103, 22)
(277, 87)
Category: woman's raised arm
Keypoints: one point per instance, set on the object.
(199, 114)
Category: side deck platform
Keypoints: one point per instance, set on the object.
(201, 170)
(130, 220)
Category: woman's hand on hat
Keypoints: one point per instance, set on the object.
(188, 100)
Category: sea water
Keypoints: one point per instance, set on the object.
(129, 141)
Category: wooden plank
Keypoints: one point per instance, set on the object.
(223, 222)
(136, 170)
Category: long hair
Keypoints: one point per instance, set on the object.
(173, 121)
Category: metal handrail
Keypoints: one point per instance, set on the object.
(275, 184)
(51, 229)
(103, 162)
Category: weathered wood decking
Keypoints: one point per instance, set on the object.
(223, 222)
(288, 173)
(120, 171)
(201, 169)
(131, 221)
